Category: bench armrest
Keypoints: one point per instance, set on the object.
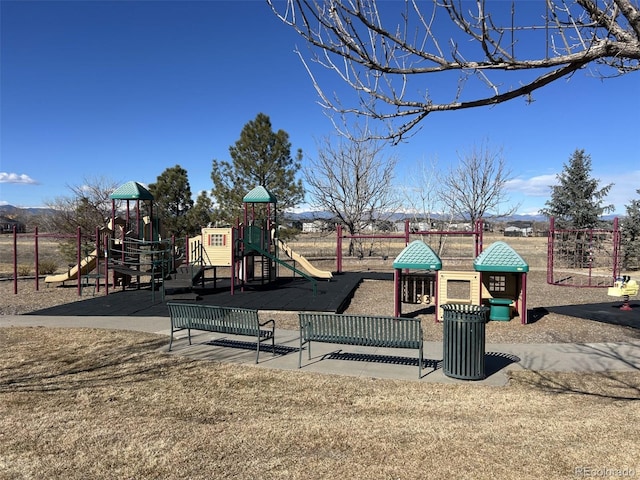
(270, 321)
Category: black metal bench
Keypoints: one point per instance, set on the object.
(231, 320)
(361, 330)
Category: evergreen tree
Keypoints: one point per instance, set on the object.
(631, 236)
(577, 200)
(172, 195)
(201, 215)
(261, 157)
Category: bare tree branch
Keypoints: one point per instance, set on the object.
(475, 187)
(352, 180)
(379, 50)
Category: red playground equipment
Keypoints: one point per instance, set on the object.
(251, 250)
(584, 257)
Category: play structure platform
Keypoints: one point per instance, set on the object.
(286, 294)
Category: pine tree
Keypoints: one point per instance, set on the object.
(577, 201)
(172, 195)
(260, 157)
(201, 215)
(631, 236)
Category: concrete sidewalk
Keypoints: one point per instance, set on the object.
(361, 361)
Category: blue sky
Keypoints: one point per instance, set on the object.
(124, 90)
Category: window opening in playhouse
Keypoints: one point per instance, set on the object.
(217, 240)
(458, 289)
(497, 283)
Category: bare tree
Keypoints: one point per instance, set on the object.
(424, 198)
(486, 52)
(475, 187)
(353, 181)
(421, 190)
(88, 206)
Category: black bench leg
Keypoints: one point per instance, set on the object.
(300, 353)
(258, 350)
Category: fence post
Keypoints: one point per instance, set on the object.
(15, 260)
(339, 248)
(36, 269)
(79, 259)
(406, 232)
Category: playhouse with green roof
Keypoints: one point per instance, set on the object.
(503, 277)
(419, 286)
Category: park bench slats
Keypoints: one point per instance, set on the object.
(360, 330)
(229, 320)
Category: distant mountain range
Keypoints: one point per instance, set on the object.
(399, 217)
(11, 211)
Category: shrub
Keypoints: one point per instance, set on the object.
(47, 267)
(24, 270)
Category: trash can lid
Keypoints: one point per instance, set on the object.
(464, 307)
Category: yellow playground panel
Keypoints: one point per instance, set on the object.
(624, 287)
(457, 287)
(213, 247)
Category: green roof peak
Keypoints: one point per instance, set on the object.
(500, 257)
(259, 195)
(131, 191)
(418, 255)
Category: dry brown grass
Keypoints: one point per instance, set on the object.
(104, 404)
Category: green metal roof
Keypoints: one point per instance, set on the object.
(259, 195)
(418, 255)
(131, 191)
(500, 257)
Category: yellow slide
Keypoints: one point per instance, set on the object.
(304, 263)
(86, 265)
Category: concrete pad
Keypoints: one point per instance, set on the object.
(357, 361)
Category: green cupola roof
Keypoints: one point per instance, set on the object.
(259, 195)
(418, 255)
(500, 257)
(131, 191)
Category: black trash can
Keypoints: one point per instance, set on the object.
(464, 341)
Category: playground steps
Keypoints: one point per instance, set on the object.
(183, 279)
(186, 296)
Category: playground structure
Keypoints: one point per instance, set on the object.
(129, 248)
(132, 247)
(251, 250)
(499, 281)
(583, 258)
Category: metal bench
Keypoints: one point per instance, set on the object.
(361, 330)
(231, 320)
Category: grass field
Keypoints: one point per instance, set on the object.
(78, 404)
(457, 250)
